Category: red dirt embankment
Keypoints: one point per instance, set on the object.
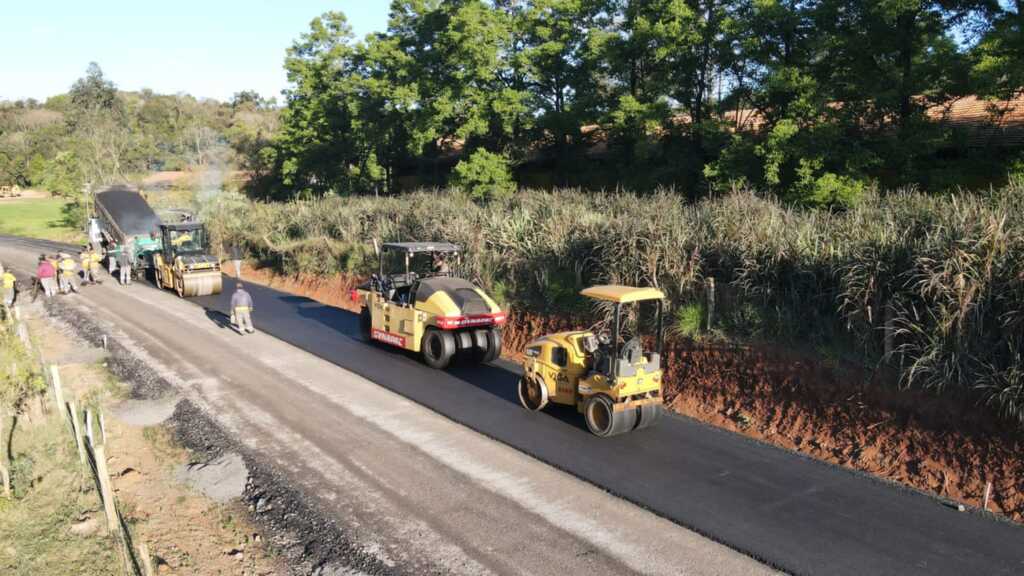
(838, 414)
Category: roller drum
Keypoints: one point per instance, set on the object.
(201, 284)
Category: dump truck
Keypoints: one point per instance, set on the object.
(424, 308)
(612, 376)
(178, 253)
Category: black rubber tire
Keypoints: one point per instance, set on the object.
(365, 323)
(532, 394)
(437, 348)
(648, 415)
(493, 346)
(464, 349)
(603, 420)
(481, 345)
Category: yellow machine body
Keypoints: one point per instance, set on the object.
(188, 279)
(560, 363)
(617, 390)
(435, 314)
(182, 263)
(402, 324)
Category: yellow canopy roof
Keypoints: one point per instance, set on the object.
(623, 294)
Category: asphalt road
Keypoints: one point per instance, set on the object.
(800, 515)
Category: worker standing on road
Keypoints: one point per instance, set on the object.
(91, 259)
(68, 274)
(85, 260)
(241, 310)
(46, 274)
(124, 263)
(7, 286)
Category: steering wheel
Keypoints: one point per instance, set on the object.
(633, 351)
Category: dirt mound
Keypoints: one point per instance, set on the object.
(842, 416)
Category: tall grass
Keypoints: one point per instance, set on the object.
(946, 271)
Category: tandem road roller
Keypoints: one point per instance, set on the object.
(608, 376)
(178, 254)
(431, 312)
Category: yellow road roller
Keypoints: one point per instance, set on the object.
(610, 374)
(183, 263)
(425, 308)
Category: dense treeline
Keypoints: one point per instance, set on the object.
(840, 90)
(97, 134)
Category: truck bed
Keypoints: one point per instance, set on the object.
(124, 213)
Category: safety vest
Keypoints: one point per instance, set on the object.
(95, 259)
(67, 266)
(8, 280)
(243, 308)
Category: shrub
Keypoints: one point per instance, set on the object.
(689, 320)
(485, 176)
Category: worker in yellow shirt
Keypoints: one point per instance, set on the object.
(68, 274)
(90, 261)
(7, 288)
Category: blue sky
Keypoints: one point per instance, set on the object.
(208, 49)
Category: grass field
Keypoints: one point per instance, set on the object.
(38, 218)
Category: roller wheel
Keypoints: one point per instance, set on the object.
(481, 345)
(533, 395)
(365, 323)
(493, 346)
(648, 414)
(438, 348)
(464, 349)
(604, 421)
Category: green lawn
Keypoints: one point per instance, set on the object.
(37, 218)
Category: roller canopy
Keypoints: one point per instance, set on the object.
(417, 247)
(623, 294)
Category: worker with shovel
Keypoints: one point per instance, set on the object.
(241, 310)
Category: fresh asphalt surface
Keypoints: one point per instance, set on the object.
(800, 515)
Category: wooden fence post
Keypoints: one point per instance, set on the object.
(709, 291)
(147, 562)
(5, 476)
(103, 429)
(88, 427)
(77, 429)
(106, 492)
(58, 392)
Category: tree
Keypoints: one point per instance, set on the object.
(999, 57)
